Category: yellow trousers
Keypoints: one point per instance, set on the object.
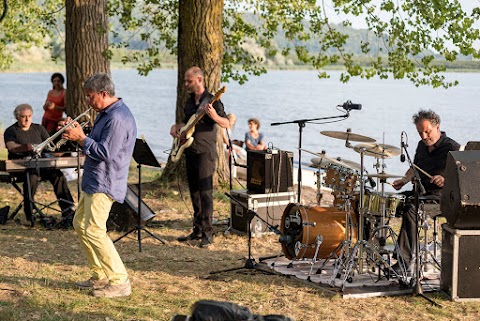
(90, 223)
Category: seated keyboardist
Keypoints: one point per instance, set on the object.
(19, 138)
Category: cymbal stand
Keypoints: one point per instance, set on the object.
(344, 248)
(428, 256)
(365, 250)
(418, 189)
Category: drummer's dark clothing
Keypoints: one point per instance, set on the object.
(434, 163)
(200, 157)
(35, 135)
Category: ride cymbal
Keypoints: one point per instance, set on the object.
(378, 150)
(348, 136)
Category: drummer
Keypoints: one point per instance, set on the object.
(431, 157)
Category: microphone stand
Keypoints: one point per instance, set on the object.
(250, 261)
(418, 190)
(301, 124)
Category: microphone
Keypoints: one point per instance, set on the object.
(403, 145)
(348, 105)
(371, 181)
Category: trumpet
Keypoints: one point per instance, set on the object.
(49, 144)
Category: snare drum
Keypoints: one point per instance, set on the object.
(341, 179)
(303, 226)
(373, 203)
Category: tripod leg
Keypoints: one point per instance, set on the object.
(153, 235)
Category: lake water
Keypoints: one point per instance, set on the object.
(281, 96)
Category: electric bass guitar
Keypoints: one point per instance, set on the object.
(185, 138)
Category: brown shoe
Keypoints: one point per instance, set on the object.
(92, 284)
(114, 291)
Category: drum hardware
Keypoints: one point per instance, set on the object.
(318, 242)
(429, 208)
(373, 255)
(418, 190)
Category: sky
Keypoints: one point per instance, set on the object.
(358, 23)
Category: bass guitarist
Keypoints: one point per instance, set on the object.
(200, 156)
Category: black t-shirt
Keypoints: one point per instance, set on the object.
(34, 135)
(434, 162)
(204, 136)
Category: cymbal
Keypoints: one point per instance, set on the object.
(324, 161)
(378, 150)
(348, 136)
(351, 164)
(384, 175)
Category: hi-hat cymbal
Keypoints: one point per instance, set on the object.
(348, 136)
(378, 150)
(384, 175)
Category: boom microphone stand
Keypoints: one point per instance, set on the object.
(250, 261)
(418, 189)
(301, 124)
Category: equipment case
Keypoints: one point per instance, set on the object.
(268, 206)
(460, 275)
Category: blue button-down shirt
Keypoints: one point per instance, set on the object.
(108, 151)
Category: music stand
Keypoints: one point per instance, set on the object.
(143, 155)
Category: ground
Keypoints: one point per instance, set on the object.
(38, 268)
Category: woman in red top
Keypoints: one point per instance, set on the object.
(55, 104)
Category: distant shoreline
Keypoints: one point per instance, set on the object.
(50, 66)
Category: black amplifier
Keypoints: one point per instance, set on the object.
(269, 171)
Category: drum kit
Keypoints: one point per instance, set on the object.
(355, 230)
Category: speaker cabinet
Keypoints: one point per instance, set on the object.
(460, 275)
(124, 217)
(461, 192)
(472, 145)
(268, 206)
(269, 172)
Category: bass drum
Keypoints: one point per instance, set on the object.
(303, 227)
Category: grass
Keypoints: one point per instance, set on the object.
(38, 268)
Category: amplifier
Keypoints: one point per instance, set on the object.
(269, 172)
(461, 193)
(460, 264)
(269, 207)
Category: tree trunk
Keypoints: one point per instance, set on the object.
(200, 43)
(86, 48)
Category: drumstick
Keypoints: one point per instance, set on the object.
(421, 170)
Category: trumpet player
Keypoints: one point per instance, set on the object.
(108, 151)
(19, 139)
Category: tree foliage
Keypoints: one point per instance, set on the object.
(27, 23)
(412, 34)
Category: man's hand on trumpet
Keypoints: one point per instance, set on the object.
(74, 131)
